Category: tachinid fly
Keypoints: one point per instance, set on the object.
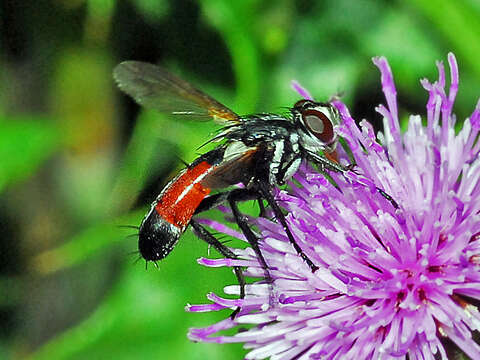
(259, 151)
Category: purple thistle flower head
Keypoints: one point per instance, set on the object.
(392, 283)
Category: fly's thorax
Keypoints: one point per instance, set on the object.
(315, 122)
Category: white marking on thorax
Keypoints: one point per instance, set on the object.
(277, 158)
(278, 153)
(294, 142)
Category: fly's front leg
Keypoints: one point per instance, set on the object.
(267, 195)
(325, 163)
(387, 196)
(206, 236)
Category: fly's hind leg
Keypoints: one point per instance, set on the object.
(206, 236)
(233, 197)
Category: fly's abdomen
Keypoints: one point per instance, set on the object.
(172, 212)
(180, 199)
(157, 237)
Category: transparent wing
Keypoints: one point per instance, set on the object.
(155, 88)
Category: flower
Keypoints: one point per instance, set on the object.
(392, 283)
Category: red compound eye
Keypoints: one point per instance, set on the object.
(319, 125)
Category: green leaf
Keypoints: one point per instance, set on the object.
(152, 10)
(396, 35)
(459, 22)
(90, 242)
(234, 19)
(157, 143)
(25, 143)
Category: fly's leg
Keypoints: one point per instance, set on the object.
(242, 222)
(215, 200)
(325, 163)
(387, 196)
(263, 212)
(212, 202)
(238, 195)
(234, 197)
(206, 236)
(267, 195)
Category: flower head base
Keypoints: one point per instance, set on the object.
(392, 282)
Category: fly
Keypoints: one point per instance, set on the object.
(259, 151)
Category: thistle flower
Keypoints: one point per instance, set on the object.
(392, 283)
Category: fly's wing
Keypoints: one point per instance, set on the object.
(155, 88)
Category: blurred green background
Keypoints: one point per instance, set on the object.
(78, 159)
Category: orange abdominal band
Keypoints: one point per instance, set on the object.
(179, 202)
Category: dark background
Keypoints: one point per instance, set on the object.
(78, 159)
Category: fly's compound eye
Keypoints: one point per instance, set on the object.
(319, 125)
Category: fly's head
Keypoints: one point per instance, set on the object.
(315, 122)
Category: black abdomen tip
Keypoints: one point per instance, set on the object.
(157, 237)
